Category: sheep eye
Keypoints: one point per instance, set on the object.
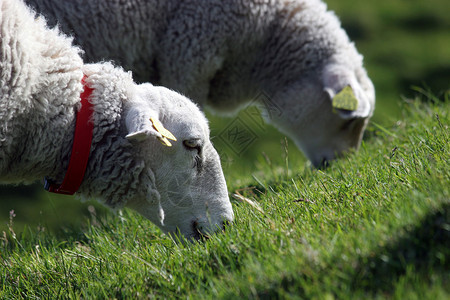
(192, 144)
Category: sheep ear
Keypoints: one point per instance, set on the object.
(347, 98)
(140, 128)
(166, 135)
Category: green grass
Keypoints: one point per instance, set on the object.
(373, 225)
(404, 43)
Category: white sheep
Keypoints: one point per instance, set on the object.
(222, 54)
(180, 188)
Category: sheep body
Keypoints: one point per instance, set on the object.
(223, 54)
(40, 86)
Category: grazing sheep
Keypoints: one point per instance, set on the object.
(180, 188)
(222, 54)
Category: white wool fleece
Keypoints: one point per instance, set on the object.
(180, 188)
(223, 54)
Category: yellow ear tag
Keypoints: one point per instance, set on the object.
(345, 99)
(165, 141)
(166, 134)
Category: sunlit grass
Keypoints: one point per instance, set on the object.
(375, 224)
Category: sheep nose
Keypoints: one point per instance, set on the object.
(322, 161)
(323, 164)
(198, 234)
(225, 224)
(199, 231)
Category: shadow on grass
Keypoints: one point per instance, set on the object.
(8, 191)
(424, 248)
(37, 210)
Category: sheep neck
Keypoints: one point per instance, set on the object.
(80, 149)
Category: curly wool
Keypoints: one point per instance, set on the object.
(218, 53)
(35, 63)
(40, 84)
(38, 106)
(223, 54)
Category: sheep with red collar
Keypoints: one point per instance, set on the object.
(150, 147)
(223, 54)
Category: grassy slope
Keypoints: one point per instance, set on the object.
(374, 225)
(404, 43)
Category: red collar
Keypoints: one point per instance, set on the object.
(80, 149)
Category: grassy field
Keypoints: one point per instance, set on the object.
(404, 43)
(374, 225)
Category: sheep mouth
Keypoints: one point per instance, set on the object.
(197, 233)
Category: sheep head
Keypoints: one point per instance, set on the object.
(326, 112)
(185, 192)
